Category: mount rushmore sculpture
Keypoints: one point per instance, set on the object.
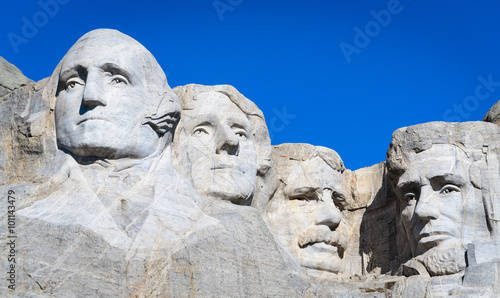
(115, 185)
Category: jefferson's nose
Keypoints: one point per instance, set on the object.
(93, 94)
(327, 213)
(227, 141)
(425, 209)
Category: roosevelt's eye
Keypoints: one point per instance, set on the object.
(303, 198)
(449, 188)
(410, 196)
(339, 200)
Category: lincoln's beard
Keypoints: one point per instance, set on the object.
(444, 261)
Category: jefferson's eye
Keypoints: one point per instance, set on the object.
(410, 196)
(200, 131)
(241, 134)
(449, 188)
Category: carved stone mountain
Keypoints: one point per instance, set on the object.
(115, 185)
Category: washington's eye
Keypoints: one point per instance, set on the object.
(449, 188)
(410, 196)
(71, 83)
(118, 79)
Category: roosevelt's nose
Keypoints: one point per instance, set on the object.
(327, 212)
(93, 93)
(425, 209)
(227, 141)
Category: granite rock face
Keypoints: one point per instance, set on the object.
(493, 114)
(10, 78)
(114, 185)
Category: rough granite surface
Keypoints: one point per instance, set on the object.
(203, 206)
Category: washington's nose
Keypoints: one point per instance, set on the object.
(327, 213)
(93, 95)
(227, 141)
(424, 208)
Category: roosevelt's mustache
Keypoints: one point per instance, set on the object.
(321, 234)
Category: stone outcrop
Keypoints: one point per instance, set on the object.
(10, 78)
(113, 184)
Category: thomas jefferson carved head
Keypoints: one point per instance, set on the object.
(222, 144)
(446, 178)
(307, 211)
(113, 100)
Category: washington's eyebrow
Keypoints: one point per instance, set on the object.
(204, 123)
(404, 185)
(76, 70)
(115, 69)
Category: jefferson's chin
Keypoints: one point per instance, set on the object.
(226, 184)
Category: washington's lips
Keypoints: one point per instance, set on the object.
(90, 118)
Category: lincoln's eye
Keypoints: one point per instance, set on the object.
(410, 196)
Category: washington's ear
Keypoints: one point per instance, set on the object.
(163, 123)
(166, 115)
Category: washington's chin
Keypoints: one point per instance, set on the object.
(104, 149)
(320, 256)
(91, 140)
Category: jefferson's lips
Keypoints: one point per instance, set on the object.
(225, 165)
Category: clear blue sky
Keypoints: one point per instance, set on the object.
(414, 62)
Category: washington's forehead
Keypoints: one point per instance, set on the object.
(126, 56)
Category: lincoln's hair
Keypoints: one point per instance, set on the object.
(479, 141)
